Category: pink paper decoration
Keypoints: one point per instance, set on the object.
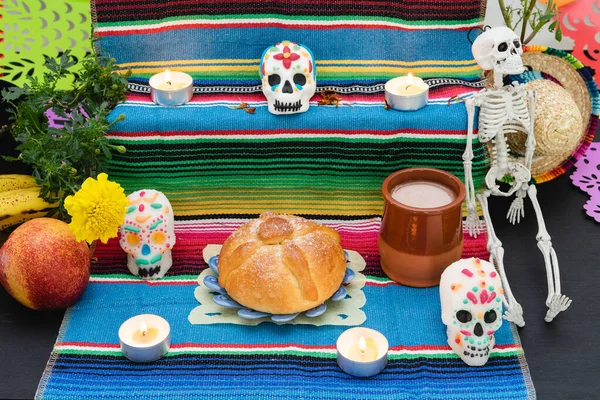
(580, 21)
(587, 178)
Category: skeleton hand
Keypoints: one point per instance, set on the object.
(473, 224)
(557, 303)
(514, 314)
(516, 211)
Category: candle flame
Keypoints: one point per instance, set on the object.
(362, 345)
(143, 328)
(168, 76)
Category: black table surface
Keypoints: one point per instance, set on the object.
(563, 356)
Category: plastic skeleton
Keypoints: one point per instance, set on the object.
(503, 111)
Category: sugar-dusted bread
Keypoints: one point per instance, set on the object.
(282, 264)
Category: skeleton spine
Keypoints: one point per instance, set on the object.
(501, 152)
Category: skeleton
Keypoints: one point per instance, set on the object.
(288, 75)
(506, 110)
(471, 298)
(148, 234)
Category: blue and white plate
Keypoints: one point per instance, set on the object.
(223, 299)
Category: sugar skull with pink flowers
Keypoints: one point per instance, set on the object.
(288, 75)
(471, 296)
(148, 234)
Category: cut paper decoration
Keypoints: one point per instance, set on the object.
(580, 21)
(587, 178)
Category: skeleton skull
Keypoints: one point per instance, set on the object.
(499, 49)
(288, 75)
(147, 235)
(471, 296)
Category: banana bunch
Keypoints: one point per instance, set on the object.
(20, 201)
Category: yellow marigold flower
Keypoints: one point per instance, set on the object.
(97, 209)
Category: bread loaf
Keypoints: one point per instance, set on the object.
(282, 264)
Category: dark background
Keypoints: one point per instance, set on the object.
(563, 356)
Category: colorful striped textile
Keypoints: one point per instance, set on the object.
(220, 166)
(211, 159)
(267, 361)
(355, 42)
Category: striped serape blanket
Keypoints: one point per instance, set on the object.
(220, 166)
(214, 160)
(226, 361)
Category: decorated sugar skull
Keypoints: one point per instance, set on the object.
(288, 75)
(471, 296)
(499, 49)
(147, 235)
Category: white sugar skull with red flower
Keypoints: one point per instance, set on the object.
(288, 75)
(148, 234)
(471, 295)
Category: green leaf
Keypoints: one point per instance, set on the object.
(558, 34)
(12, 93)
(97, 89)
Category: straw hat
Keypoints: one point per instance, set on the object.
(566, 111)
(557, 130)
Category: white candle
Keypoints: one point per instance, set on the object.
(408, 85)
(423, 194)
(362, 352)
(171, 88)
(145, 338)
(406, 93)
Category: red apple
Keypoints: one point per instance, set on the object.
(43, 266)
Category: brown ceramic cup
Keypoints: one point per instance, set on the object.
(417, 244)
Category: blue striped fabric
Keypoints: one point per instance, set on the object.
(226, 361)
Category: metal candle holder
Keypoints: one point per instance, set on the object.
(171, 97)
(405, 102)
(145, 352)
(357, 368)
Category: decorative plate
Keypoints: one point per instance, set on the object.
(223, 299)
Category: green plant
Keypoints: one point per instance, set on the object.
(529, 15)
(61, 133)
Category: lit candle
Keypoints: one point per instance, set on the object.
(362, 352)
(145, 335)
(365, 350)
(145, 338)
(423, 194)
(406, 93)
(171, 88)
(169, 83)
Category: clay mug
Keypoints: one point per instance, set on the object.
(417, 244)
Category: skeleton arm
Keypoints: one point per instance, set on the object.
(530, 143)
(473, 224)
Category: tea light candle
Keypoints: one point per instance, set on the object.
(362, 352)
(145, 338)
(171, 88)
(406, 93)
(423, 194)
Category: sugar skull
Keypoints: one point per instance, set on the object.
(288, 75)
(471, 295)
(147, 235)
